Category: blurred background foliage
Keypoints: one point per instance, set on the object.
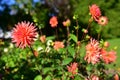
(39, 11)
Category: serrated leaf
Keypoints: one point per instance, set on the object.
(73, 37)
(66, 61)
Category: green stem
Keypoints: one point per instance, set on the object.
(86, 29)
(77, 28)
(99, 34)
(68, 34)
(32, 50)
(56, 32)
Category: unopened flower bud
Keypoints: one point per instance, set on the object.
(6, 50)
(35, 53)
(78, 43)
(106, 44)
(116, 77)
(66, 23)
(85, 31)
(43, 39)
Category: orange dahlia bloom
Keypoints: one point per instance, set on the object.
(23, 34)
(95, 12)
(53, 21)
(108, 57)
(58, 45)
(73, 68)
(92, 52)
(103, 21)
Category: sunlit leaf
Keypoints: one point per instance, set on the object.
(73, 37)
(38, 77)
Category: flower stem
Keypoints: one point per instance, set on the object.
(68, 34)
(32, 50)
(77, 28)
(86, 29)
(99, 34)
(56, 32)
(40, 31)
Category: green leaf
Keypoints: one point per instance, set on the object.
(66, 61)
(48, 78)
(38, 77)
(77, 77)
(73, 37)
(71, 50)
(46, 70)
(89, 67)
(10, 63)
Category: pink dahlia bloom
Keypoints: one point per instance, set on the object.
(95, 12)
(92, 52)
(23, 34)
(73, 68)
(94, 77)
(108, 57)
(53, 21)
(58, 45)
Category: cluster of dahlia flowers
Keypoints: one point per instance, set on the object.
(95, 53)
(96, 15)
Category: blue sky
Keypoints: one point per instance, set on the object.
(11, 2)
(8, 2)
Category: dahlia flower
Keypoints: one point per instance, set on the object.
(23, 34)
(73, 68)
(94, 77)
(53, 21)
(58, 45)
(92, 52)
(95, 12)
(108, 57)
(103, 20)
